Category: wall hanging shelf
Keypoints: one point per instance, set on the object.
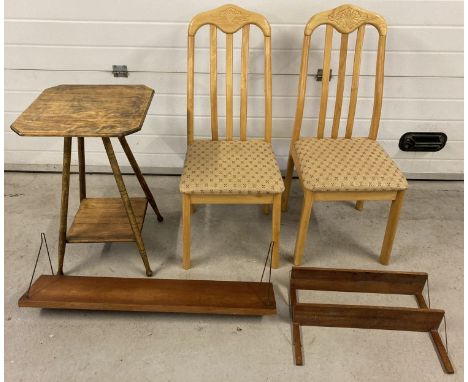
(151, 295)
(421, 319)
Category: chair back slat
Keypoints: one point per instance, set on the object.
(340, 85)
(378, 91)
(229, 19)
(325, 80)
(214, 81)
(344, 19)
(268, 94)
(355, 81)
(190, 85)
(229, 91)
(301, 88)
(244, 81)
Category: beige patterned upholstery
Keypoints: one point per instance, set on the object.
(230, 167)
(357, 164)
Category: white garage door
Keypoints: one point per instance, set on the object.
(50, 42)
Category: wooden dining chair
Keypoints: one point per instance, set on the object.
(230, 171)
(347, 168)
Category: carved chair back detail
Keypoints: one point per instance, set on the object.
(345, 20)
(229, 19)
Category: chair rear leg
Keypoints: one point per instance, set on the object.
(276, 221)
(186, 212)
(392, 224)
(359, 205)
(287, 183)
(303, 227)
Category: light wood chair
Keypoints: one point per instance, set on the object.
(230, 171)
(337, 169)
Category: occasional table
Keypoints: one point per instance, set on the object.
(103, 111)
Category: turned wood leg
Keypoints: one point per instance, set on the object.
(127, 204)
(276, 221)
(303, 227)
(392, 224)
(287, 183)
(186, 211)
(81, 168)
(359, 205)
(67, 144)
(140, 177)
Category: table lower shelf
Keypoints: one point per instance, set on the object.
(151, 295)
(102, 220)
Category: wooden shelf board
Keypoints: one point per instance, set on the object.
(151, 295)
(102, 220)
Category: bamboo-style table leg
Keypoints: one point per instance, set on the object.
(140, 177)
(127, 204)
(81, 167)
(67, 144)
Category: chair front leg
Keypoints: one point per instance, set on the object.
(303, 226)
(287, 183)
(392, 224)
(276, 221)
(186, 212)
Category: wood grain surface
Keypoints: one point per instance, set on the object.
(102, 220)
(86, 111)
(151, 295)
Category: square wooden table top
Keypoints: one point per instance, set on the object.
(86, 111)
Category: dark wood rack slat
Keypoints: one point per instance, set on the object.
(355, 280)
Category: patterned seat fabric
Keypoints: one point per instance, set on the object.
(357, 164)
(230, 167)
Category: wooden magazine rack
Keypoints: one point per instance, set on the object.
(421, 319)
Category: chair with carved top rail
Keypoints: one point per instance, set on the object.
(348, 168)
(230, 171)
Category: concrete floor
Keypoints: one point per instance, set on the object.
(229, 243)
